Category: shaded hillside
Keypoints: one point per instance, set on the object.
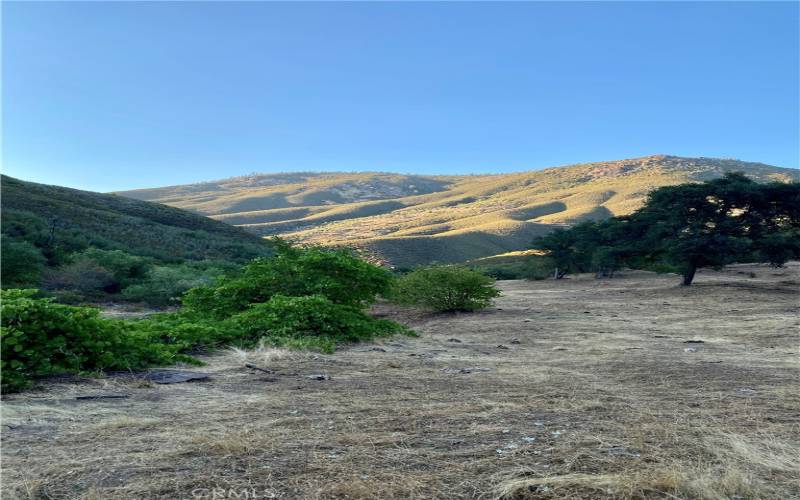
(115, 222)
(407, 220)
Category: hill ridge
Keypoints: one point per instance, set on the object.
(410, 219)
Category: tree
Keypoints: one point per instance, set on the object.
(560, 247)
(688, 227)
(717, 223)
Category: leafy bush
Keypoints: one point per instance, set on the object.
(311, 321)
(338, 275)
(446, 288)
(125, 268)
(22, 263)
(163, 285)
(41, 338)
(84, 276)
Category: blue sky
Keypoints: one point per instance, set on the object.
(108, 96)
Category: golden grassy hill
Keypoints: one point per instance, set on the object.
(407, 220)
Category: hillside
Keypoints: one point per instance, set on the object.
(110, 221)
(407, 220)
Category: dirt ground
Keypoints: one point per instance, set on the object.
(571, 389)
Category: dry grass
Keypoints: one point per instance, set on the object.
(409, 220)
(596, 398)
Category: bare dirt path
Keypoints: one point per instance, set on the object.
(571, 389)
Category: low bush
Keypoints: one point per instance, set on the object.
(302, 298)
(339, 275)
(164, 285)
(41, 338)
(84, 276)
(446, 288)
(310, 321)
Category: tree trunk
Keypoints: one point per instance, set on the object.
(688, 275)
(555, 274)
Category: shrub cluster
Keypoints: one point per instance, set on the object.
(301, 297)
(40, 337)
(446, 288)
(311, 296)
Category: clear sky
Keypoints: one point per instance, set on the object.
(108, 96)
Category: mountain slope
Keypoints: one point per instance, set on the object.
(407, 220)
(116, 222)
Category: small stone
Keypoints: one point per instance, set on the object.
(319, 376)
(690, 349)
(515, 341)
(454, 340)
(501, 346)
(559, 348)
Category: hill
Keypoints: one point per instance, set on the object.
(407, 220)
(109, 221)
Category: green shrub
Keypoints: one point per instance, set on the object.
(83, 276)
(21, 263)
(313, 321)
(41, 338)
(446, 288)
(125, 268)
(339, 275)
(164, 285)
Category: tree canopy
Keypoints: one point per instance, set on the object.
(685, 228)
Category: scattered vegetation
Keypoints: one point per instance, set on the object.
(446, 288)
(687, 227)
(41, 338)
(301, 297)
(93, 246)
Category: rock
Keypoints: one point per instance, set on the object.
(690, 349)
(515, 341)
(694, 342)
(319, 376)
(501, 346)
(378, 349)
(559, 348)
(454, 340)
(103, 396)
(174, 376)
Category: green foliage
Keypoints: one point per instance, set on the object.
(313, 320)
(527, 267)
(84, 276)
(41, 338)
(446, 288)
(22, 263)
(164, 285)
(687, 227)
(125, 268)
(61, 222)
(338, 275)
